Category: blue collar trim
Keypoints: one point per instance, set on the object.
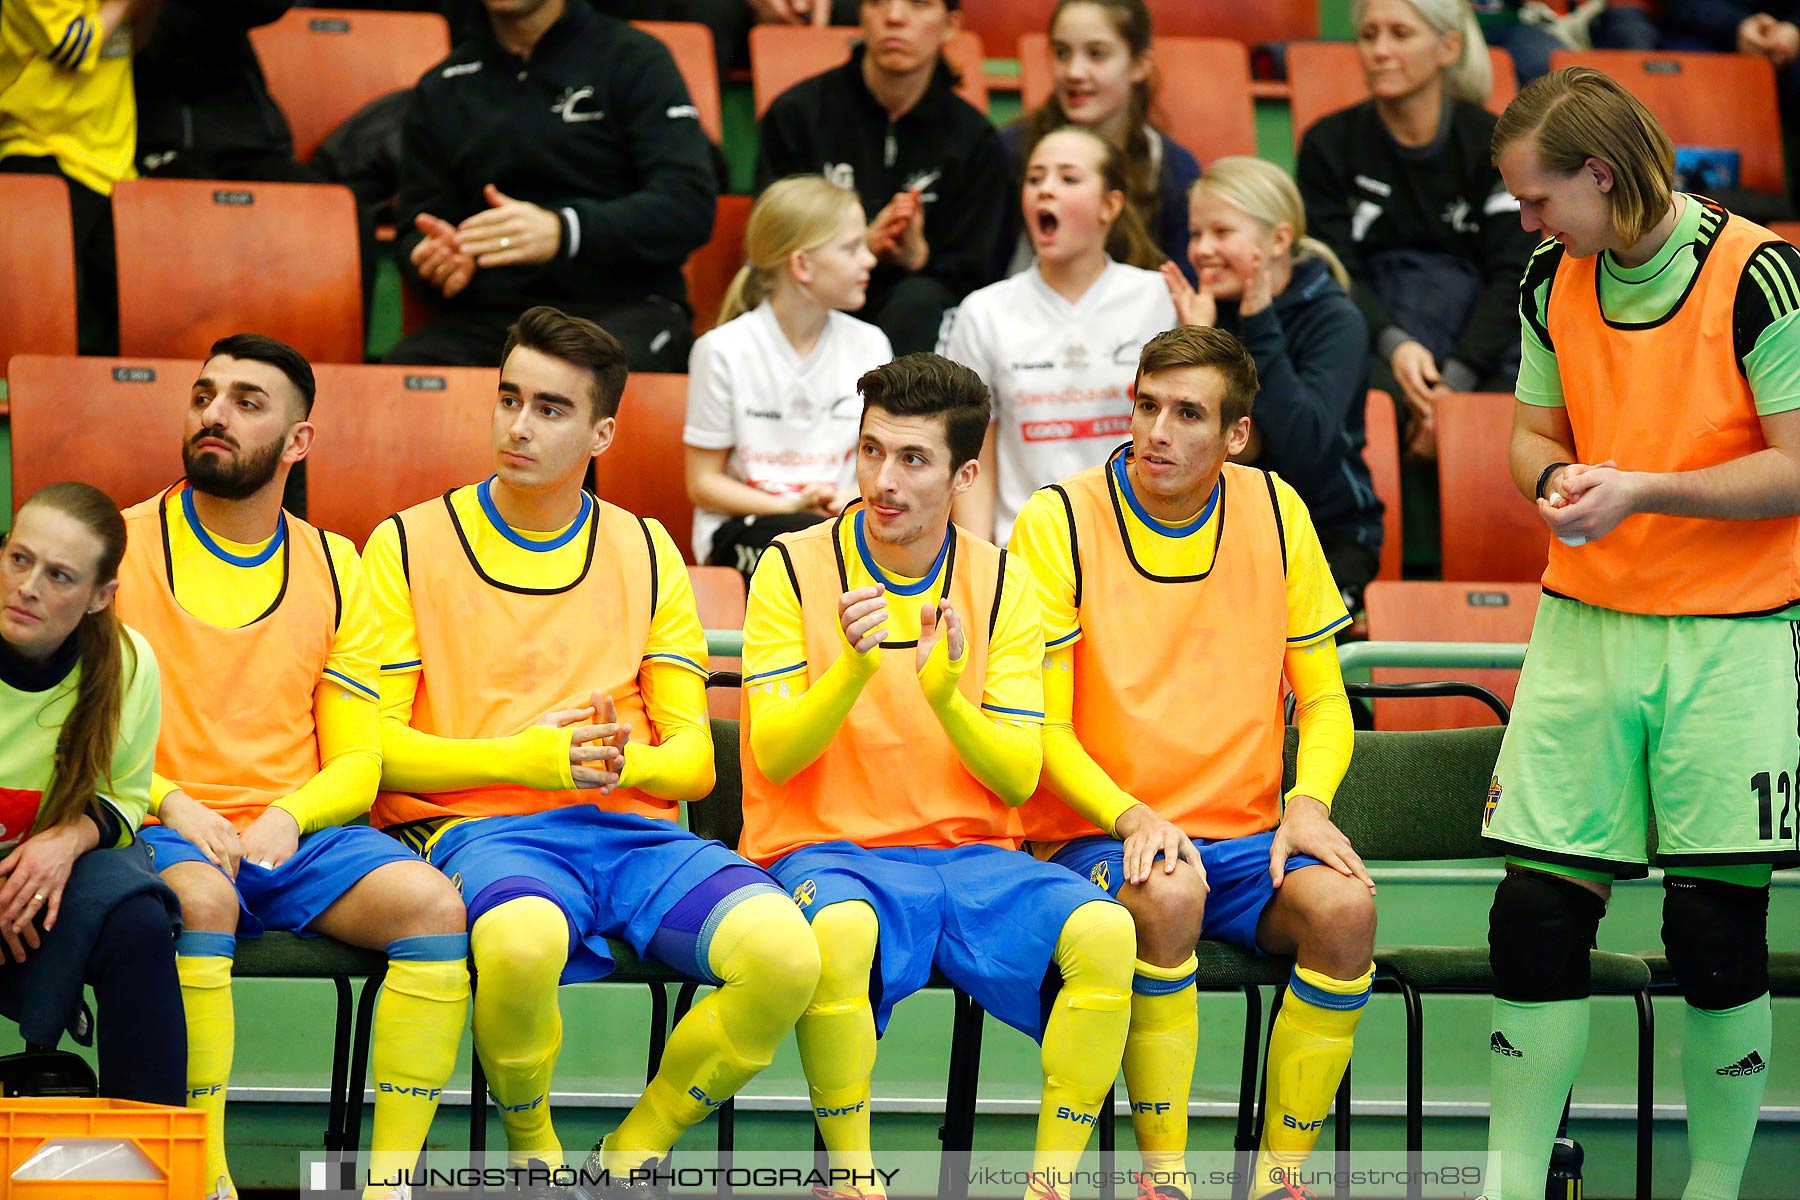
(217, 551)
(899, 589)
(1163, 527)
(524, 543)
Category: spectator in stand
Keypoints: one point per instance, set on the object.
(1285, 296)
(1401, 187)
(66, 109)
(204, 110)
(554, 157)
(1105, 81)
(1057, 345)
(1531, 41)
(772, 403)
(889, 125)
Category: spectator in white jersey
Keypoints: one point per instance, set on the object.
(1058, 344)
(773, 412)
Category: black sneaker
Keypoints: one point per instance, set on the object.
(641, 1184)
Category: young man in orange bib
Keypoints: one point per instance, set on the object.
(1178, 590)
(893, 697)
(267, 641)
(543, 715)
(1658, 433)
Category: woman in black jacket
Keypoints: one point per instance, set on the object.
(1401, 187)
(1283, 294)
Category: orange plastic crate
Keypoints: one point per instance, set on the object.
(174, 1139)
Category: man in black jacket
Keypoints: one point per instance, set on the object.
(927, 165)
(553, 158)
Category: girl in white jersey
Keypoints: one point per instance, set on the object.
(772, 404)
(1058, 344)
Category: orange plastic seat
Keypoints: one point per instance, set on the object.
(391, 437)
(37, 267)
(645, 470)
(710, 269)
(1490, 531)
(691, 44)
(1381, 451)
(1701, 99)
(200, 259)
(719, 594)
(324, 64)
(1430, 611)
(111, 422)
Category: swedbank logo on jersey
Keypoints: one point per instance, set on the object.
(805, 894)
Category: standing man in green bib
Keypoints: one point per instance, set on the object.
(1658, 432)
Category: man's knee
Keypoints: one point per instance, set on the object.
(430, 901)
(527, 937)
(1097, 948)
(776, 954)
(209, 901)
(1167, 909)
(1540, 931)
(1338, 915)
(1717, 936)
(847, 934)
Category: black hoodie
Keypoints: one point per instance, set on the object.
(1312, 361)
(597, 127)
(832, 124)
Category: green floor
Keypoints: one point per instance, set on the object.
(284, 1039)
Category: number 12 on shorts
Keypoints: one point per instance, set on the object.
(1766, 787)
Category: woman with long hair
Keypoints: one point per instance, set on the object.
(1400, 186)
(1284, 294)
(1105, 81)
(1057, 345)
(79, 710)
(772, 410)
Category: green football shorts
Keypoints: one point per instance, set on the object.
(1618, 715)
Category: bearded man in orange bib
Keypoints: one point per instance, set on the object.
(270, 748)
(1178, 590)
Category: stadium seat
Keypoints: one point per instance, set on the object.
(37, 267)
(1703, 100)
(111, 422)
(1381, 452)
(1002, 23)
(200, 259)
(323, 65)
(719, 594)
(1326, 76)
(691, 44)
(783, 55)
(1204, 101)
(1430, 611)
(710, 269)
(392, 437)
(1264, 21)
(645, 469)
(1490, 532)
(1418, 798)
(1786, 230)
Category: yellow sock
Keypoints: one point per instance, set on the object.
(1084, 1039)
(769, 963)
(837, 1035)
(203, 965)
(520, 948)
(1159, 1062)
(1309, 1047)
(418, 1026)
